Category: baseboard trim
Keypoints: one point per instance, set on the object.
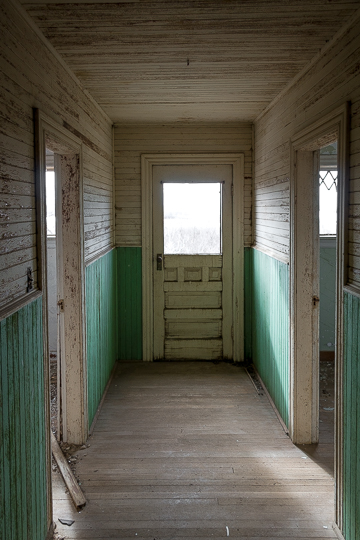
(50, 533)
(283, 425)
(338, 532)
(102, 399)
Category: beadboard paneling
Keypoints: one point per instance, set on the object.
(351, 441)
(101, 330)
(333, 79)
(132, 141)
(32, 76)
(129, 303)
(23, 507)
(270, 326)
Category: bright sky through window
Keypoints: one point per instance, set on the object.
(192, 218)
(50, 203)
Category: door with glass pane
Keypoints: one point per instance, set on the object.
(192, 257)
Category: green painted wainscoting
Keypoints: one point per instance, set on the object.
(351, 445)
(23, 508)
(129, 282)
(247, 302)
(270, 326)
(101, 326)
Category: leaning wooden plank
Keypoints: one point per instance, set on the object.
(74, 489)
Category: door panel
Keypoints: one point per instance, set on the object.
(193, 292)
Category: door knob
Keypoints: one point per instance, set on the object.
(159, 261)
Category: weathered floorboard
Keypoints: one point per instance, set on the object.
(184, 450)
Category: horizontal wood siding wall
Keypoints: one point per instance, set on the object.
(23, 510)
(132, 141)
(331, 81)
(351, 444)
(129, 303)
(32, 76)
(101, 329)
(270, 326)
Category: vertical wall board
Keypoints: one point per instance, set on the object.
(327, 298)
(270, 327)
(247, 302)
(101, 332)
(129, 303)
(351, 440)
(23, 508)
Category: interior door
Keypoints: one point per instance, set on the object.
(192, 257)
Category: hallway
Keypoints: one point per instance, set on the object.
(190, 450)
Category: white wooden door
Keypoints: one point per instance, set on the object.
(193, 281)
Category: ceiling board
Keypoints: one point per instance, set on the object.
(201, 60)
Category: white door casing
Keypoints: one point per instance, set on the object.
(304, 408)
(71, 279)
(148, 162)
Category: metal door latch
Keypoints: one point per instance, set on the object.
(315, 300)
(61, 305)
(159, 261)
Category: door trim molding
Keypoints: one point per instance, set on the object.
(74, 371)
(148, 161)
(309, 140)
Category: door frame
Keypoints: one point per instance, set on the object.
(68, 152)
(304, 374)
(148, 161)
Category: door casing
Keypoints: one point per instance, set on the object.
(68, 156)
(148, 161)
(304, 375)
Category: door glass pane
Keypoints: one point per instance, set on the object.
(192, 218)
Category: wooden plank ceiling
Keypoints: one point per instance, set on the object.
(188, 60)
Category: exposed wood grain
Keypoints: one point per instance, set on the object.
(133, 140)
(213, 62)
(331, 80)
(183, 450)
(69, 479)
(32, 76)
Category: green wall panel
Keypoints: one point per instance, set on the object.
(270, 326)
(351, 445)
(129, 303)
(23, 510)
(101, 326)
(327, 298)
(247, 302)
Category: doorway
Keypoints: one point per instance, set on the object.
(64, 151)
(192, 252)
(304, 282)
(185, 287)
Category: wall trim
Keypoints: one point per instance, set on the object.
(99, 256)
(98, 410)
(74, 375)
(15, 306)
(147, 163)
(338, 532)
(328, 242)
(308, 141)
(272, 253)
(351, 289)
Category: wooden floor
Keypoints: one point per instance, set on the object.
(190, 450)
